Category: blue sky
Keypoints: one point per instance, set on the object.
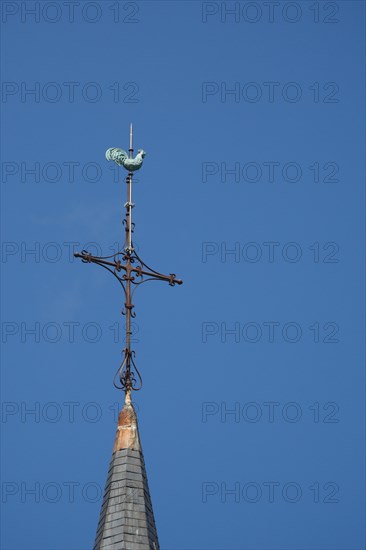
(252, 410)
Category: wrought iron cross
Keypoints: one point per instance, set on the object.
(129, 269)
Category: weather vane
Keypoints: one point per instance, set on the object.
(128, 268)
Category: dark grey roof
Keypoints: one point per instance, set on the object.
(126, 519)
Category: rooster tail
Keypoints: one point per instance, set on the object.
(118, 155)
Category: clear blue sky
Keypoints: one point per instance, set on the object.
(252, 191)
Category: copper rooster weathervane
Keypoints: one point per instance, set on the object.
(129, 269)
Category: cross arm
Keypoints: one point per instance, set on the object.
(128, 268)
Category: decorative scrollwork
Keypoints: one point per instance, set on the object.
(127, 372)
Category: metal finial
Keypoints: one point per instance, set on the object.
(128, 268)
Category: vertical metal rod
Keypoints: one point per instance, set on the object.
(128, 304)
(129, 198)
(131, 149)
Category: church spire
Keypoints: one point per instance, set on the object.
(126, 519)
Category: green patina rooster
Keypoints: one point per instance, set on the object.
(121, 158)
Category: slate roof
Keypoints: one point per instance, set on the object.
(126, 519)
